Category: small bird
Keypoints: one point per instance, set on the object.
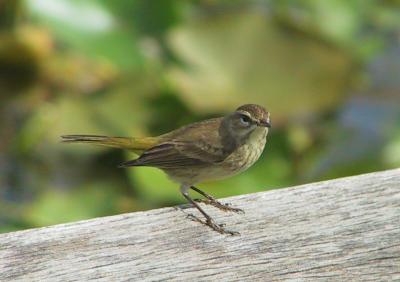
(207, 150)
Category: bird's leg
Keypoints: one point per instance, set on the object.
(208, 219)
(210, 200)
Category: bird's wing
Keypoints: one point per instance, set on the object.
(179, 154)
(194, 145)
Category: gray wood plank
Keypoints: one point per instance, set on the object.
(341, 230)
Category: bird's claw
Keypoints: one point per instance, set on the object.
(216, 227)
(224, 207)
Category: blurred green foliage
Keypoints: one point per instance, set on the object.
(326, 70)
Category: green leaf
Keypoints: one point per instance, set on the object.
(244, 57)
(89, 27)
(57, 206)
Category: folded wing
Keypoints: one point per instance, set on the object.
(179, 154)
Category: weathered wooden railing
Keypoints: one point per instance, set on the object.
(341, 230)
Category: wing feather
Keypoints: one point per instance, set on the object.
(195, 145)
(177, 155)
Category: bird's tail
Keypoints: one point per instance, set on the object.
(134, 144)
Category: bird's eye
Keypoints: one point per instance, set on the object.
(245, 120)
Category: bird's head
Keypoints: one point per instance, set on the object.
(246, 119)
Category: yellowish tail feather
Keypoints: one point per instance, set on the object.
(134, 144)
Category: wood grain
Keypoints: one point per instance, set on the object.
(341, 230)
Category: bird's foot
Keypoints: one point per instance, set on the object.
(224, 207)
(214, 226)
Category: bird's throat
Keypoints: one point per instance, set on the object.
(257, 135)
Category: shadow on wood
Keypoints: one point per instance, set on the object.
(344, 229)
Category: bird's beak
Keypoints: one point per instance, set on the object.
(265, 123)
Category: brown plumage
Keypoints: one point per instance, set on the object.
(193, 145)
(205, 150)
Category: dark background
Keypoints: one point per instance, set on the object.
(328, 71)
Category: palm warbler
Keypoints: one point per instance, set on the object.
(206, 150)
